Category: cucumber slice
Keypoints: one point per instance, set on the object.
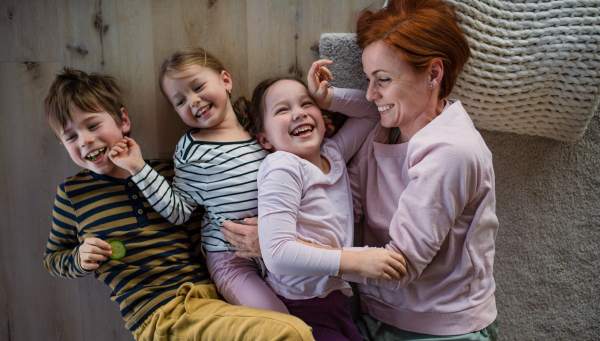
(118, 249)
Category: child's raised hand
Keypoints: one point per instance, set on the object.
(127, 155)
(317, 83)
(92, 252)
(374, 263)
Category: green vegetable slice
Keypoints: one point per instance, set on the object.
(118, 249)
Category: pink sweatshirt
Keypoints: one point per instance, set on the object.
(433, 200)
(297, 201)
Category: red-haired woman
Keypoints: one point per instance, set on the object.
(424, 180)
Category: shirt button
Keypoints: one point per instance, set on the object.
(130, 184)
(134, 197)
(140, 211)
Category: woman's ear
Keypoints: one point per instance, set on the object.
(264, 142)
(226, 80)
(436, 72)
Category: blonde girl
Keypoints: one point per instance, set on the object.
(216, 164)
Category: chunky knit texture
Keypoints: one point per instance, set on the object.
(535, 65)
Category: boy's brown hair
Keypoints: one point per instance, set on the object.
(92, 93)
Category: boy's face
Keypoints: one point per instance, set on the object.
(89, 137)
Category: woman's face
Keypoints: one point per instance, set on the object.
(404, 97)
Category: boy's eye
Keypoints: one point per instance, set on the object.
(198, 87)
(180, 102)
(307, 103)
(95, 125)
(70, 137)
(280, 110)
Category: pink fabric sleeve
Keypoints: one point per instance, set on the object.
(280, 190)
(443, 180)
(363, 118)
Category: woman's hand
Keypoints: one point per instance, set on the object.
(317, 83)
(374, 263)
(243, 237)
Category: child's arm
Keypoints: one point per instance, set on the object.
(363, 114)
(173, 204)
(280, 191)
(65, 256)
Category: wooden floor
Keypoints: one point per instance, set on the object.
(254, 39)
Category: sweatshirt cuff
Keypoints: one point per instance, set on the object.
(142, 174)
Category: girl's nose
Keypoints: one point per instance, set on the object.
(299, 114)
(195, 102)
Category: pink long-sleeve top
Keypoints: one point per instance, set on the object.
(298, 201)
(433, 200)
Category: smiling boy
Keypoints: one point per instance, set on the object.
(160, 284)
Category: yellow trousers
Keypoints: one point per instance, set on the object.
(197, 313)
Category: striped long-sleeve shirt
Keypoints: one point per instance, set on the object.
(218, 175)
(159, 256)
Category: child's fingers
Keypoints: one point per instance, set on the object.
(325, 73)
(398, 257)
(89, 266)
(97, 242)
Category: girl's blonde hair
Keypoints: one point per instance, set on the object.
(196, 56)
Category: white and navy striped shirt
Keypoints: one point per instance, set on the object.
(219, 175)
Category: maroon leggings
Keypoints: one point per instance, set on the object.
(329, 317)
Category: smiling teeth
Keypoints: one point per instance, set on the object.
(384, 108)
(199, 113)
(301, 129)
(92, 156)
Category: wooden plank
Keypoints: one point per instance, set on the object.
(29, 31)
(283, 36)
(80, 36)
(39, 306)
(128, 55)
(217, 26)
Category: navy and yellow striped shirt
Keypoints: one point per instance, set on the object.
(159, 256)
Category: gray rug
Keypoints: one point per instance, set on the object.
(547, 265)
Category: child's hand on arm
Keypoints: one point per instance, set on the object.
(92, 252)
(317, 83)
(374, 263)
(127, 155)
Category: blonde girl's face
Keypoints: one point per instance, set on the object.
(200, 97)
(292, 121)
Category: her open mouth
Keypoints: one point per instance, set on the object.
(203, 110)
(95, 155)
(303, 130)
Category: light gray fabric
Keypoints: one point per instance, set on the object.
(547, 265)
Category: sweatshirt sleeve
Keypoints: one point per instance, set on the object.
(363, 118)
(169, 201)
(443, 179)
(279, 195)
(61, 258)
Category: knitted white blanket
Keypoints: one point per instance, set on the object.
(535, 66)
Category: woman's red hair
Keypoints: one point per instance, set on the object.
(420, 31)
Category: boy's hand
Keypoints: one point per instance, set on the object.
(127, 155)
(92, 252)
(374, 263)
(317, 83)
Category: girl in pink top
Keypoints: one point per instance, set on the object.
(304, 196)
